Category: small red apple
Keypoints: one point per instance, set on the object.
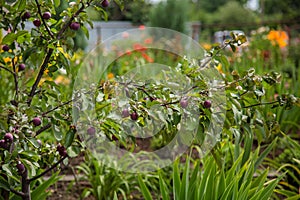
(75, 26)
(8, 137)
(21, 168)
(26, 15)
(3, 144)
(46, 15)
(184, 103)
(134, 116)
(21, 67)
(37, 22)
(125, 113)
(207, 104)
(91, 131)
(37, 121)
(5, 48)
(105, 3)
(61, 150)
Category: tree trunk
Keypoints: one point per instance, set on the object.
(26, 186)
(4, 193)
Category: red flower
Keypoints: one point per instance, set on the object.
(142, 27)
(148, 58)
(148, 41)
(139, 47)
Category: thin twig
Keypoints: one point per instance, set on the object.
(56, 107)
(2, 67)
(47, 170)
(40, 74)
(260, 104)
(17, 192)
(231, 83)
(49, 54)
(15, 78)
(169, 103)
(43, 129)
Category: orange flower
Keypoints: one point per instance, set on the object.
(110, 75)
(278, 37)
(206, 46)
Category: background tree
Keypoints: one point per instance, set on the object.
(230, 15)
(136, 11)
(287, 11)
(170, 14)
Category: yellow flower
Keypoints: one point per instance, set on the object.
(43, 80)
(219, 68)
(278, 37)
(206, 46)
(46, 71)
(60, 79)
(7, 60)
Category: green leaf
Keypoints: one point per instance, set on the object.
(57, 133)
(4, 183)
(53, 68)
(264, 153)
(233, 47)
(163, 188)
(85, 31)
(176, 179)
(34, 142)
(9, 38)
(267, 191)
(296, 197)
(247, 143)
(69, 138)
(237, 115)
(40, 191)
(20, 5)
(31, 156)
(6, 168)
(56, 3)
(73, 151)
(185, 180)
(144, 189)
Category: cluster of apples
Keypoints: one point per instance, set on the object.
(5, 144)
(8, 137)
